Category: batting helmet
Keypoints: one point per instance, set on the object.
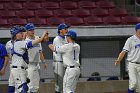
(137, 26)
(62, 26)
(72, 34)
(30, 26)
(16, 29)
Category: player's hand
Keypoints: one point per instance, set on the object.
(117, 62)
(24, 35)
(46, 66)
(2, 72)
(45, 36)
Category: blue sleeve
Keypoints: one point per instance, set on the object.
(29, 44)
(3, 51)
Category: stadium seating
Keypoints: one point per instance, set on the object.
(106, 4)
(75, 21)
(62, 13)
(130, 20)
(92, 20)
(17, 21)
(111, 20)
(53, 21)
(31, 5)
(74, 12)
(5, 0)
(7, 13)
(13, 6)
(81, 12)
(38, 21)
(1, 6)
(100, 12)
(3, 22)
(25, 13)
(19, 0)
(87, 4)
(50, 5)
(68, 5)
(44, 13)
(118, 12)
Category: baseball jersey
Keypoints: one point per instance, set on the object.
(58, 41)
(70, 54)
(20, 47)
(3, 53)
(34, 52)
(132, 46)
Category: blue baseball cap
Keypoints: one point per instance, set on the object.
(16, 29)
(137, 26)
(72, 33)
(62, 26)
(30, 27)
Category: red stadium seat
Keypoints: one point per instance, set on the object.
(38, 21)
(118, 12)
(38, 0)
(92, 20)
(5, 0)
(7, 14)
(44, 13)
(81, 12)
(111, 20)
(68, 5)
(32, 6)
(25, 13)
(131, 20)
(1, 6)
(87, 4)
(17, 21)
(19, 0)
(106, 4)
(62, 13)
(75, 21)
(100, 12)
(50, 5)
(13, 5)
(3, 22)
(54, 21)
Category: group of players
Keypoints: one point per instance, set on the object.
(25, 52)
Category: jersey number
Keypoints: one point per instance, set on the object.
(74, 54)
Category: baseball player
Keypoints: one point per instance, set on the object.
(9, 46)
(35, 55)
(3, 59)
(132, 48)
(59, 40)
(70, 55)
(20, 59)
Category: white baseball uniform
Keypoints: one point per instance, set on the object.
(70, 55)
(9, 46)
(34, 59)
(132, 47)
(19, 64)
(58, 63)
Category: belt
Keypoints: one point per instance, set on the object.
(58, 61)
(73, 66)
(135, 62)
(20, 67)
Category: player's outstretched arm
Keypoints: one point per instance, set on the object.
(121, 55)
(36, 41)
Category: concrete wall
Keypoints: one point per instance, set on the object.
(117, 86)
(82, 31)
